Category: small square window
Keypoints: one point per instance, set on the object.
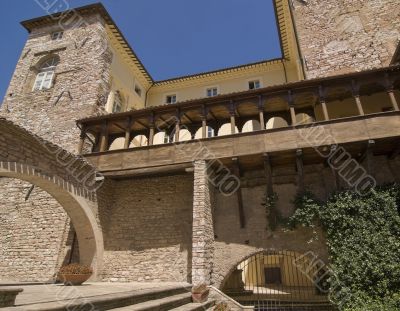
(212, 91)
(57, 35)
(138, 90)
(170, 99)
(254, 84)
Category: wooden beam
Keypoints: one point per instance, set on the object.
(268, 173)
(187, 117)
(237, 172)
(300, 169)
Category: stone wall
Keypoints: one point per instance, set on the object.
(31, 233)
(233, 244)
(149, 234)
(203, 230)
(80, 88)
(341, 36)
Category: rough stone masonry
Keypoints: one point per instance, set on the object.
(34, 235)
(342, 36)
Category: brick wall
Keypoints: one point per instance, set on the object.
(340, 36)
(149, 234)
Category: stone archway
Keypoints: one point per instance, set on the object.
(67, 178)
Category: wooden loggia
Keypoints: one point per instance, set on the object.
(285, 101)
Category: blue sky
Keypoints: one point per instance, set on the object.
(171, 37)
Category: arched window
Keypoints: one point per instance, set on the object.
(45, 76)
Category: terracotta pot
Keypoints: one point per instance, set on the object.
(73, 279)
(200, 297)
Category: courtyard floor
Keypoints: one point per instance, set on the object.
(60, 294)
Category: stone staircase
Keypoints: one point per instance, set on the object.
(177, 298)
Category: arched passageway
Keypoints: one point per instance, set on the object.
(279, 279)
(68, 179)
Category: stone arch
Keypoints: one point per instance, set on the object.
(199, 132)
(117, 143)
(250, 126)
(225, 129)
(220, 279)
(304, 118)
(69, 179)
(138, 141)
(73, 201)
(276, 122)
(185, 135)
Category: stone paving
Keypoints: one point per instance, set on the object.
(58, 292)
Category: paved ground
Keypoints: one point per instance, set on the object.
(57, 292)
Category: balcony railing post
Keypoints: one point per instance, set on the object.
(104, 137)
(393, 100)
(356, 95)
(151, 130)
(291, 108)
(261, 112)
(82, 137)
(390, 91)
(204, 122)
(128, 133)
(177, 125)
(321, 95)
(232, 117)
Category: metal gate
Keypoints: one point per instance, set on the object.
(279, 281)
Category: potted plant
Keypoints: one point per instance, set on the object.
(74, 274)
(200, 293)
(222, 306)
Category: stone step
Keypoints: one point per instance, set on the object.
(108, 301)
(166, 303)
(193, 306)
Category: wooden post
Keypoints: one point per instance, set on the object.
(393, 100)
(236, 168)
(82, 137)
(292, 115)
(356, 95)
(232, 114)
(291, 108)
(151, 135)
(204, 128)
(128, 133)
(300, 169)
(151, 130)
(268, 173)
(323, 103)
(104, 137)
(261, 112)
(177, 125)
(204, 122)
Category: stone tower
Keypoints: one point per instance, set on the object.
(62, 75)
(341, 36)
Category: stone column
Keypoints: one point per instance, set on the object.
(203, 232)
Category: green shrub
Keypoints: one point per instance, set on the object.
(363, 237)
